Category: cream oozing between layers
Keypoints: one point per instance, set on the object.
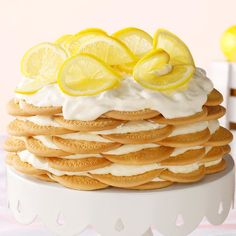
(129, 96)
(114, 169)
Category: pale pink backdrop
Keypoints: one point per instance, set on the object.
(24, 23)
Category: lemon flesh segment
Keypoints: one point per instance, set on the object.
(228, 43)
(81, 37)
(43, 61)
(31, 86)
(108, 49)
(137, 40)
(85, 75)
(64, 41)
(175, 47)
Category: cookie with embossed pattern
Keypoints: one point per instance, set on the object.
(14, 144)
(183, 177)
(132, 115)
(187, 140)
(94, 125)
(79, 182)
(140, 137)
(127, 181)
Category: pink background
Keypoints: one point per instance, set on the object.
(24, 23)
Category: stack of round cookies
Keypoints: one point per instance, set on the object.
(129, 111)
(134, 150)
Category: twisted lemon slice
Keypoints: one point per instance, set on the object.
(85, 75)
(41, 64)
(108, 49)
(43, 61)
(154, 71)
(31, 86)
(64, 41)
(137, 40)
(175, 47)
(82, 37)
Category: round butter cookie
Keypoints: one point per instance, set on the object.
(16, 128)
(215, 112)
(183, 177)
(186, 140)
(132, 115)
(142, 157)
(14, 144)
(127, 181)
(182, 120)
(221, 137)
(216, 168)
(79, 182)
(44, 177)
(13, 108)
(24, 167)
(33, 110)
(214, 98)
(152, 185)
(83, 146)
(188, 157)
(214, 154)
(226, 149)
(77, 165)
(38, 148)
(85, 126)
(36, 129)
(140, 137)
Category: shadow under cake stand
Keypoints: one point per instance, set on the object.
(174, 211)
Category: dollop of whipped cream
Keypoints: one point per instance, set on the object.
(129, 96)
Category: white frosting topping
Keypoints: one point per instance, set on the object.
(84, 136)
(46, 141)
(128, 148)
(129, 96)
(213, 125)
(190, 128)
(132, 126)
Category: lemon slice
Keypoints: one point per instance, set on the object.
(155, 72)
(30, 86)
(43, 61)
(64, 41)
(175, 47)
(228, 43)
(127, 68)
(85, 75)
(108, 49)
(137, 40)
(82, 37)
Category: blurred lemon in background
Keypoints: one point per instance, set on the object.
(228, 43)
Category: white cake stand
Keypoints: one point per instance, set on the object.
(174, 211)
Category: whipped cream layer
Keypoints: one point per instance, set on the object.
(114, 169)
(40, 120)
(129, 96)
